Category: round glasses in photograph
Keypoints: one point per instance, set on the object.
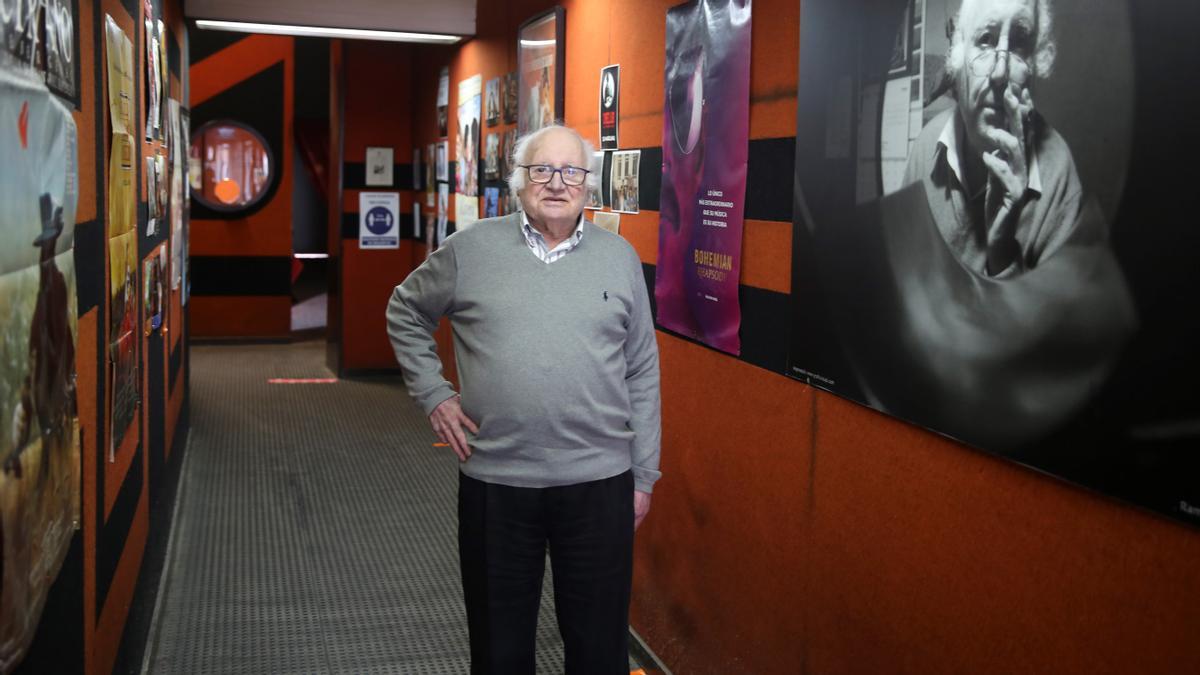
(984, 65)
(544, 173)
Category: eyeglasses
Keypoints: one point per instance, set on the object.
(544, 173)
(985, 64)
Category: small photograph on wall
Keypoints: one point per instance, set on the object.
(623, 185)
(430, 175)
(416, 168)
(152, 295)
(509, 101)
(539, 62)
(491, 202)
(379, 166)
(595, 200)
(152, 208)
(491, 158)
(608, 221)
(507, 146)
(971, 250)
(492, 101)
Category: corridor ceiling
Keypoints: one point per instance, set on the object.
(449, 17)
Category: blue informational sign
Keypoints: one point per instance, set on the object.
(379, 220)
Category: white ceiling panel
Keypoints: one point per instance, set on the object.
(451, 17)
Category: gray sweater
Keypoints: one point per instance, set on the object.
(558, 362)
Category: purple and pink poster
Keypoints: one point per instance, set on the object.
(705, 141)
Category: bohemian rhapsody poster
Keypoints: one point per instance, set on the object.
(705, 143)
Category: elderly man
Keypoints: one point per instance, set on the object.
(1002, 184)
(557, 423)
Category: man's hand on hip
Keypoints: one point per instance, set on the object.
(448, 421)
(641, 506)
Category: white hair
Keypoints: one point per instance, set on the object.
(518, 177)
(1045, 46)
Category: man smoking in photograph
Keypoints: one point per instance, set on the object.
(983, 299)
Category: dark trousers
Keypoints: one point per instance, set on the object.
(503, 533)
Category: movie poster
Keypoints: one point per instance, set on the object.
(178, 181)
(39, 442)
(990, 239)
(123, 339)
(25, 32)
(122, 190)
(610, 96)
(466, 172)
(154, 83)
(705, 145)
(539, 67)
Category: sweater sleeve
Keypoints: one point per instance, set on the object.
(413, 313)
(641, 378)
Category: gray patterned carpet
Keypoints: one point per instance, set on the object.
(315, 530)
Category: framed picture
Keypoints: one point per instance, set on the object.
(540, 75)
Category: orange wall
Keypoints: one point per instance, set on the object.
(794, 531)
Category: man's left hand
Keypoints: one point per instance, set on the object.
(641, 506)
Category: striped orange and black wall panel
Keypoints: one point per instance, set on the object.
(85, 623)
(241, 264)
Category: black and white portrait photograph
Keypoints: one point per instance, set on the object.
(973, 218)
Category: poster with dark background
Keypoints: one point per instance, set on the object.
(610, 96)
(991, 239)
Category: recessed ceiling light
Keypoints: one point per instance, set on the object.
(324, 31)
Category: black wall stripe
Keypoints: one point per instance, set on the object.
(114, 534)
(650, 178)
(770, 168)
(204, 43)
(176, 360)
(241, 275)
(174, 64)
(89, 267)
(354, 177)
(257, 102)
(130, 6)
(764, 342)
(60, 649)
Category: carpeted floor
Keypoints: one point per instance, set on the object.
(315, 530)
